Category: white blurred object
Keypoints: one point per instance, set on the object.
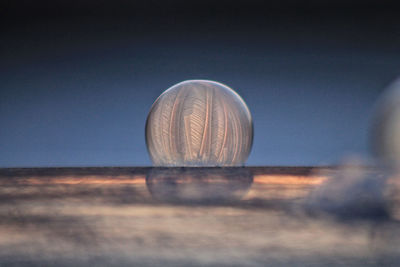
(351, 192)
(385, 137)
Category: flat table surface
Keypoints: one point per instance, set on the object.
(252, 216)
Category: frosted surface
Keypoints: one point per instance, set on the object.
(199, 123)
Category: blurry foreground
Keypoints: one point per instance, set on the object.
(192, 217)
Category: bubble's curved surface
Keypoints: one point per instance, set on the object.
(199, 123)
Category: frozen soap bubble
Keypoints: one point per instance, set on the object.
(199, 123)
(386, 127)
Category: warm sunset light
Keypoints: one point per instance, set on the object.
(200, 133)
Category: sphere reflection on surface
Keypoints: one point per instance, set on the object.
(199, 123)
(198, 185)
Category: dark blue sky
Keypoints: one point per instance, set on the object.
(76, 87)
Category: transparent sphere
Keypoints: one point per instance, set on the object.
(386, 127)
(199, 123)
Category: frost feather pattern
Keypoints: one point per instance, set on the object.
(199, 123)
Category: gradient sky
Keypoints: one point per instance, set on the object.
(77, 82)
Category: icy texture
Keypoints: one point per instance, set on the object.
(199, 123)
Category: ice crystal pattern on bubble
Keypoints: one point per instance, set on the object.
(199, 123)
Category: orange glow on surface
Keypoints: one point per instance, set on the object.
(288, 179)
(279, 179)
(84, 180)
